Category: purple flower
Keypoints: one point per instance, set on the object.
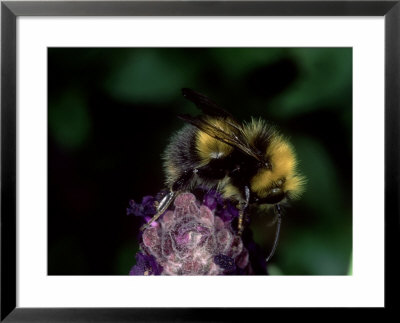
(188, 239)
(225, 262)
(147, 208)
(213, 200)
(145, 265)
(226, 210)
(195, 236)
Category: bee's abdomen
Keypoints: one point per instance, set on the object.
(181, 154)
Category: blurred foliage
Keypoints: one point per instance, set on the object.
(113, 110)
(69, 120)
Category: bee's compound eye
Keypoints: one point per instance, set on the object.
(274, 196)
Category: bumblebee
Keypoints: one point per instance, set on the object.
(251, 163)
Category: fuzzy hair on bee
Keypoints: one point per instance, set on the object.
(201, 153)
(249, 162)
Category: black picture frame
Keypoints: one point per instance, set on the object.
(11, 10)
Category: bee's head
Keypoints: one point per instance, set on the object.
(277, 177)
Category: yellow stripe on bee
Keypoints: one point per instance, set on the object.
(281, 156)
(295, 186)
(209, 147)
(230, 191)
(254, 129)
(283, 173)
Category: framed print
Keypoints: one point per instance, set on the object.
(279, 175)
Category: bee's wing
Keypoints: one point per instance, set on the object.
(206, 105)
(235, 136)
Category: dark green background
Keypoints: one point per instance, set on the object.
(111, 113)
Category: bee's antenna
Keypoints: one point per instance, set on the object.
(278, 229)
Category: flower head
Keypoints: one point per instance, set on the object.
(194, 237)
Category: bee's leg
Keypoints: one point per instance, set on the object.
(242, 209)
(162, 206)
(176, 187)
(278, 229)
